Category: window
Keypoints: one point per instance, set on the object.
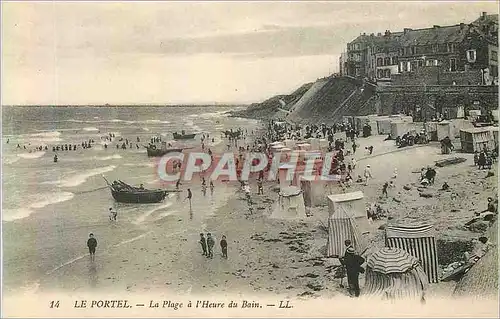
(413, 50)
(453, 65)
(387, 61)
(379, 61)
(408, 66)
(388, 73)
(451, 47)
(428, 62)
(494, 55)
(394, 60)
(435, 48)
(420, 63)
(471, 56)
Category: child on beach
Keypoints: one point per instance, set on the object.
(223, 246)
(92, 244)
(210, 245)
(203, 243)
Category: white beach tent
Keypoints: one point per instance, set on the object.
(346, 218)
(290, 204)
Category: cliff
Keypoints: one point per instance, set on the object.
(325, 100)
(270, 107)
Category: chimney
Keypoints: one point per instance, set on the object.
(364, 33)
(371, 34)
(379, 34)
(483, 15)
(387, 32)
(406, 30)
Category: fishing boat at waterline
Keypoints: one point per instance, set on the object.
(125, 193)
(154, 151)
(183, 136)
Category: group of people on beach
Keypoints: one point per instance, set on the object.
(208, 243)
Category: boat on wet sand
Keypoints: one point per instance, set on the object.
(183, 136)
(125, 193)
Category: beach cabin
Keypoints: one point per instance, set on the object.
(285, 178)
(494, 132)
(399, 128)
(459, 124)
(353, 203)
(316, 190)
(277, 148)
(476, 139)
(304, 146)
(314, 142)
(444, 130)
(290, 143)
(347, 220)
(323, 145)
(431, 130)
(384, 125)
(290, 204)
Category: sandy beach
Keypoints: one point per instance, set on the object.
(276, 256)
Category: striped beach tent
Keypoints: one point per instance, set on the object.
(342, 226)
(392, 273)
(346, 221)
(419, 241)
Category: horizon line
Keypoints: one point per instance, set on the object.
(129, 105)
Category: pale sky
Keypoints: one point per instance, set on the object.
(190, 52)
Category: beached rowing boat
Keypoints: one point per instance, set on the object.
(124, 193)
(183, 136)
(153, 151)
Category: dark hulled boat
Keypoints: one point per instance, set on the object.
(124, 193)
(183, 136)
(157, 152)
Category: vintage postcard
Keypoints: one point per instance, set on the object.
(249, 159)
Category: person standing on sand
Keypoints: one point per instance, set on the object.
(210, 245)
(92, 244)
(353, 263)
(189, 196)
(223, 246)
(384, 189)
(260, 188)
(354, 146)
(367, 174)
(203, 243)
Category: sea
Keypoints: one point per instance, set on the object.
(49, 209)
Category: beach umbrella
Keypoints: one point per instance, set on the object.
(391, 260)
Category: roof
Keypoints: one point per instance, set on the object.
(290, 191)
(487, 19)
(337, 198)
(476, 129)
(434, 35)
